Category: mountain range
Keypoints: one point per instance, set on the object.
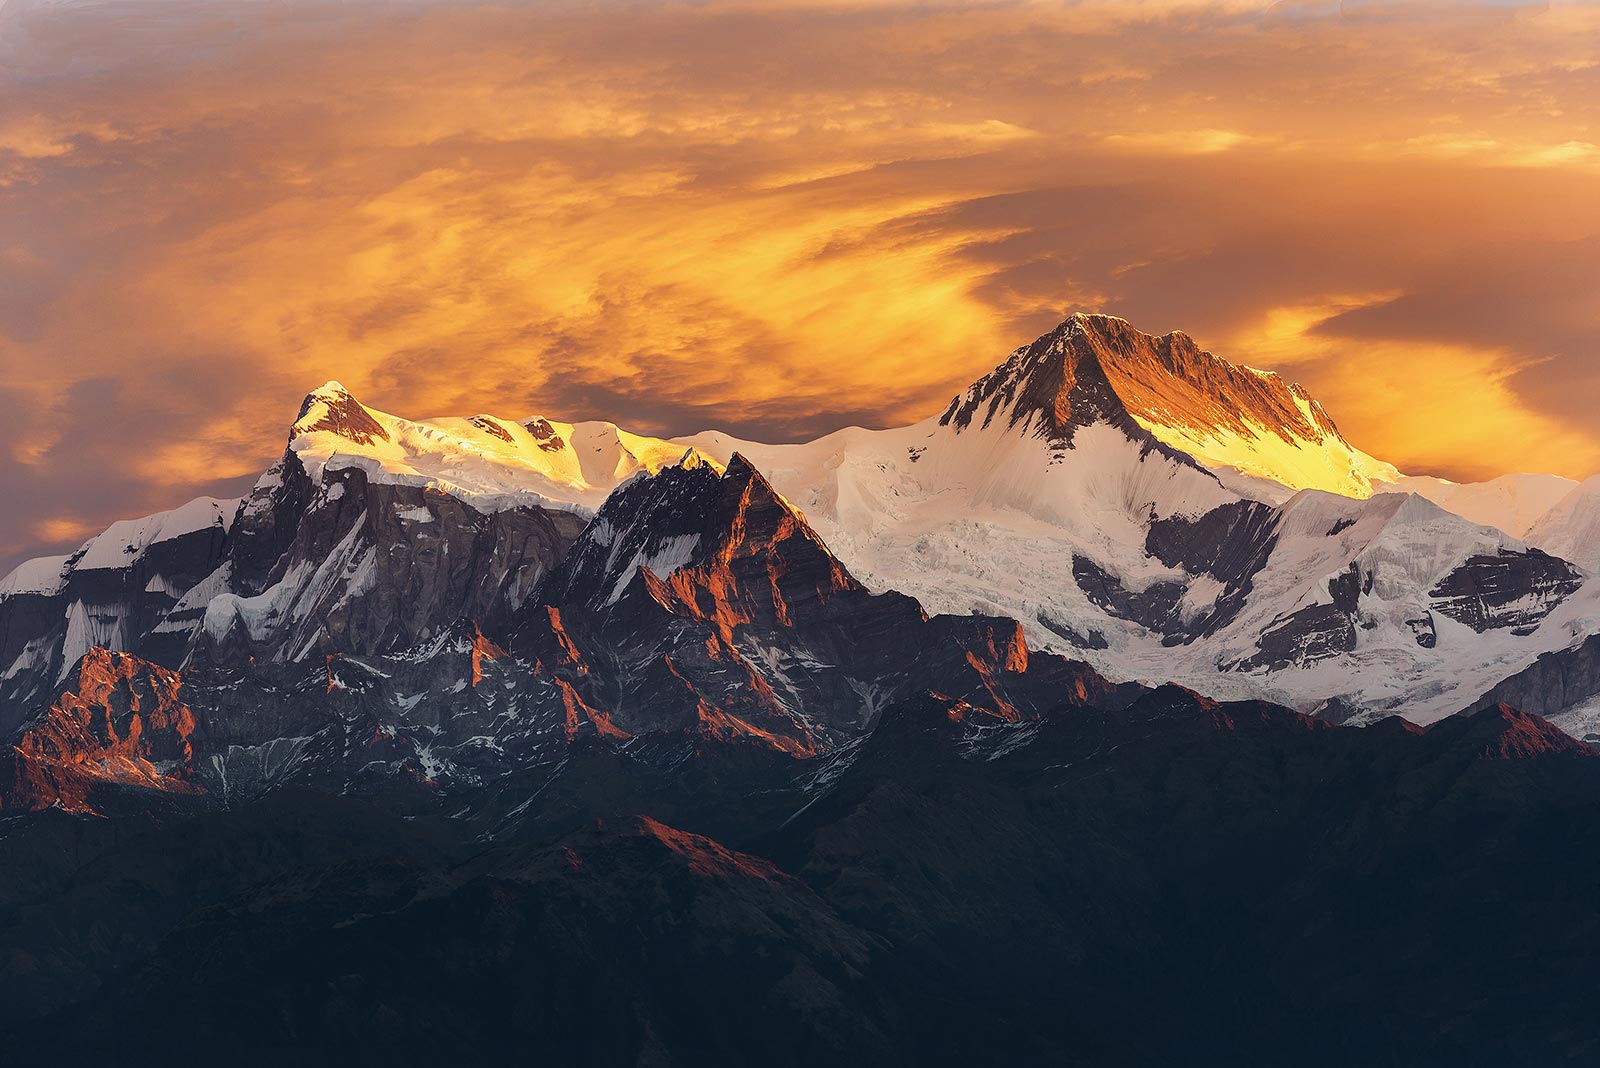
(1132, 501)
(992, 736)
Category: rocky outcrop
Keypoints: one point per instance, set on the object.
(1230, 544)
(1155, 607)
(407, 728)
(113, 592)
(1065, 380)
(334, 410)
(1318, 631)
(365, 568)
(1424, 630)
(1315, 632)
(124, 723)
(1510, 590)
(1553, 683)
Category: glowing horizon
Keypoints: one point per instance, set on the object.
(774, 219)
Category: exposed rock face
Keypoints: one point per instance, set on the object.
(1230, 544)
(113, 592)
(453, 712)
(1423, 629)
(1553, 683)
(1315, 632)
(703, 602)
(1507, 590)
(751, 633)
(659, 523)
(123, 723)
(490, 425)
(333, 409)
(306, 566)
(1170, 380)
(1069, 378)
(1166, 389)
(1155, 607)
(346, 563)
(1322, 631)
(1501, 732)
(268, 523)
(756, 561)
(545, 435)
(368, 568)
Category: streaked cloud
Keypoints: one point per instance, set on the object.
(1185, 142)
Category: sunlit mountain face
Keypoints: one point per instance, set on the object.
(787, 534)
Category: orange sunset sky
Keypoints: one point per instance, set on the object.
(773, 218)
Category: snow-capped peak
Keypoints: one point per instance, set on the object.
(332, 409)
(1264, 436)
(126, 541)
(1047, 389)
(693, 458)
(1512, 503)
(489, 461)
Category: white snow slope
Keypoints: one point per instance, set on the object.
(1513, 503)
(987, 520)
(120, 545)
(490, 462)
(1571, 528)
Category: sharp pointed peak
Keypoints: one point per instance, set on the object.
(741, 467)
(741, 472)
(693, 459)
(332, 408)
(737, 481)
(1052, 385)
(1095, 367)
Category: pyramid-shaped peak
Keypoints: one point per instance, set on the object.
(693, 459)
(332, 409)
(741, 469)
(1170, 379)
(744, 482)
(1100, 367)
(689, 515)
(1051, 387)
